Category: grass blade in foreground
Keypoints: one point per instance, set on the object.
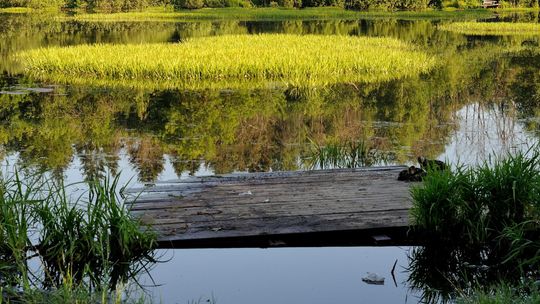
(291, 59)
(77, 246)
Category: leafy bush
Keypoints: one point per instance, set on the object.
(460, 4)
(188, 4)
(313, 3)
(385, 4)
(32, 3)
(237, 3)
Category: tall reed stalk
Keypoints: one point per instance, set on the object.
(481, 226)
(83, 243)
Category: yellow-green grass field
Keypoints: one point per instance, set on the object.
(309, 60)
(492, 28)
(267, 13)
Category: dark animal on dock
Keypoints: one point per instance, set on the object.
(431, 164)
(411, 174)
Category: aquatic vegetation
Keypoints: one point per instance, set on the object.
(87, 244)
(99, 239)
(478, 204)
(348, 154)
(481, 225)
(492, 28)
(268, 57)
(502, 293)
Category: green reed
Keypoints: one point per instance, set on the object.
(347, 154)
(481, 225)
(477, 204)
(291, 59)
(17, 198)
(87, 243)
(503, 293)
(492, 28)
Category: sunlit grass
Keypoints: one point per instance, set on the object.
(16, 10)
(291, 59)
(492, 28)
(276, 14)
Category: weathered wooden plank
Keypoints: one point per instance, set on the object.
(264, 177)
(378, 202)
(285, 225)
(247, 205)
(268, 199)
(273, 192)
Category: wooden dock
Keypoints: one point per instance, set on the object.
(278, 208)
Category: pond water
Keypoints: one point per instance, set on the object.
(482, 98)
(283, 275)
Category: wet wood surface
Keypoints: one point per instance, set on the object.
(273, 204)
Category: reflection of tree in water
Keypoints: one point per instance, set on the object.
(442, 272)
(230, 130)
(253, 130)
(98, 161)
(525, 89)
(146, 155)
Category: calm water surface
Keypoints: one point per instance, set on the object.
(283, 275)
(483, 98)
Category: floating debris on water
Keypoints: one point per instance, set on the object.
(23, 91)
(40, 90)
(13, 92)
(373, 279)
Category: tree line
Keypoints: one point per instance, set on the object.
(90, 5)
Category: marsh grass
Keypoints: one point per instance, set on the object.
(503, 293)
(274, 14)
(83, 245)
(481, 224)
(291, 59)
(475, 205)
(492, 28)
(348, 154)
(95, 238)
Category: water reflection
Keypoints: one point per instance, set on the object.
(477, 107)
(486, 130)
(284, 275)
